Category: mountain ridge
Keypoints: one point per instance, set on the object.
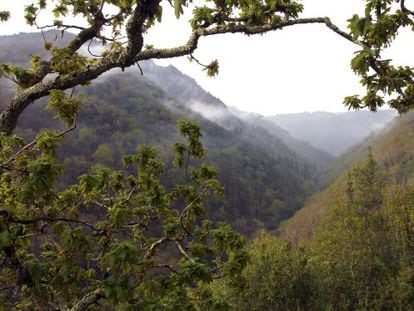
(333, 132)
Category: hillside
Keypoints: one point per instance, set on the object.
(267, 173)
(392, 148)
(322, 159)
(264, 179)
(333, 132)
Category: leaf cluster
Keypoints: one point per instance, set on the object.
(118, 236)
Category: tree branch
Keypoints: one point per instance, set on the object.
(135, 28)
(185, 210)
(7, 215)
(404, 8)
(183, 252)
(30, 145)
(89, 300)
(192, 43)
(153, 246)
(133, 54)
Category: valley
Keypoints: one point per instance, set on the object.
(266, 172)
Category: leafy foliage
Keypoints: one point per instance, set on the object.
(114, 238)
(374, 32)
(360, 257)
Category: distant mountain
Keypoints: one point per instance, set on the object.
(264, 179)
(18, 49)
(318, 157)
(180, 86)
(333, 132)
(393, 149)
(252, 126)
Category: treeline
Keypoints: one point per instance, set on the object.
(360, 258)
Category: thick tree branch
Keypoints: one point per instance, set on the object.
(192, 43)
(87, 34)
(133, 54)
(404, 8)
(135, 28)
(81, 38)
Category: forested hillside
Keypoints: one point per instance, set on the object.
(393, 148)
(350, 248)
(333, 132)
(266, 173)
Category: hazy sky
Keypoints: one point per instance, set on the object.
(301, 68)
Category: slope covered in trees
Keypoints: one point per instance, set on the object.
(264, 178)
(393, 148)
(357, 247)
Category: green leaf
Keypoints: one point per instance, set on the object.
(212, 69)
(178, 8)
(66, 108)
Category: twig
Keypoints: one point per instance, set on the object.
(89, 49)
(11, 218)
(41, 31)
(182, 251)
(61, 26)
(7, 287)
(151, 249)
(131, 193)
(184, 211)
(72, 92)
(30, 145)
(197, 61)
(140, 69)
(9, 77)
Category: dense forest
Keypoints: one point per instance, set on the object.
(266, 173)
(126, 186)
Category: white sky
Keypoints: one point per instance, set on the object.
(301, 68)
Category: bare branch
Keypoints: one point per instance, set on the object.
(197, 61)
(66, 26)
(131, 193)
(89, 50)
(183, 252)
(12, 79)
(151, 249)
(140, 69)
